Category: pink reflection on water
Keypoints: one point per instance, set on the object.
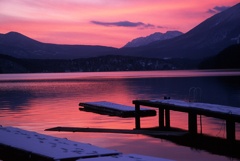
(117, 75)
(55, 103)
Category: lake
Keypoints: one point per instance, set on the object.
(39, 101)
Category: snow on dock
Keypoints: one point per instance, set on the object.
(114, 109)
(201, 106)
(53, 148)
(48, 146)
(129, 157)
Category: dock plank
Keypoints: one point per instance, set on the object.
(129, 157)
(120, 131)
(114, 109)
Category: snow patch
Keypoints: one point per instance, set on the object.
(48, 146)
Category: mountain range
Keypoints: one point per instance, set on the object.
(205, 40)
(157, 36)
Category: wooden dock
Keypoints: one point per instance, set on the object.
(19, 144)
(230, 114)
(114, 109)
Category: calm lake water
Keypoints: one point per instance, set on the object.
(39, 101)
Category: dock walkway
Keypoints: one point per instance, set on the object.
(230, 114)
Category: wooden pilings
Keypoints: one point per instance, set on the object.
(163, 117)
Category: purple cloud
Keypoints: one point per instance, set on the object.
(221, 8)
(211, 11)
(217, 9)
(125, 24)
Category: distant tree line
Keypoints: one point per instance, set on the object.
(95, 64)
(229, 58)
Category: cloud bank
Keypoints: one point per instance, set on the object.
(125, 24)
(217, 9)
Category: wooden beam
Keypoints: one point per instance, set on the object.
(192, 122)
(137, 116)
(230, 129)
(121, 131)
(161, 117)
(167, 118)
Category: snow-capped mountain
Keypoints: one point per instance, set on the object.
(206, 39)
(141, 41)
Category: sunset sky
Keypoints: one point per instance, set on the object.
(103, 22)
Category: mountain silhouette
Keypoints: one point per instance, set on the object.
(21, 46)
(142, 41)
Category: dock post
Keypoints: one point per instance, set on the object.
(230, 129)
(137, 116)
(161, 117)
(192, 122)
(167, 118)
